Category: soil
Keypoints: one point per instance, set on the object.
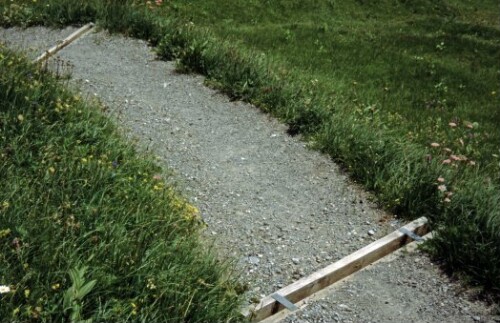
(278, 209)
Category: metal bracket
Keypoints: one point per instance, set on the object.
(411, 234)
(285, 302)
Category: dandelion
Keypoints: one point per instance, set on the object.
(20, 117)
(4, 289)
(435, 145)
(52, 170)
(442, 188)
(56, 286)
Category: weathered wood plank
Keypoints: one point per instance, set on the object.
(338, 270)
(68, 40)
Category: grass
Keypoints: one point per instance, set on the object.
(419, 65)
(89, 229)
(403, 94)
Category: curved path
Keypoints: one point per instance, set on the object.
(281, 210)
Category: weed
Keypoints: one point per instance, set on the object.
(73, 297)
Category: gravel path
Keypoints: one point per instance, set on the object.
(402, 287)
(281, 210)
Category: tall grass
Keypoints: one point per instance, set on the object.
(89, 230)
(380, 86)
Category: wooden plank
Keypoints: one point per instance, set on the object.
(68, 40)
(336, 271)
(329, 290)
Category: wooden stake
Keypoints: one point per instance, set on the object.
(336, 271)
(64, 43)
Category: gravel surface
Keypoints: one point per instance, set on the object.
(279, 209)
(401, 288)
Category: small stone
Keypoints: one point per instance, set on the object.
(253, 260)
(345, 307)
(371, 232)
(296, 260)
(476, 318)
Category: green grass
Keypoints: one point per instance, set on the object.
(420, 65)
(372, 83)
(88, 228)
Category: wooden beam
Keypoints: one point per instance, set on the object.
(325, 277)
(68, 40)
(325, 292)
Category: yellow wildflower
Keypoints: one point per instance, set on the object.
(4, 233)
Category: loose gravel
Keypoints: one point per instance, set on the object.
(279, 209)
